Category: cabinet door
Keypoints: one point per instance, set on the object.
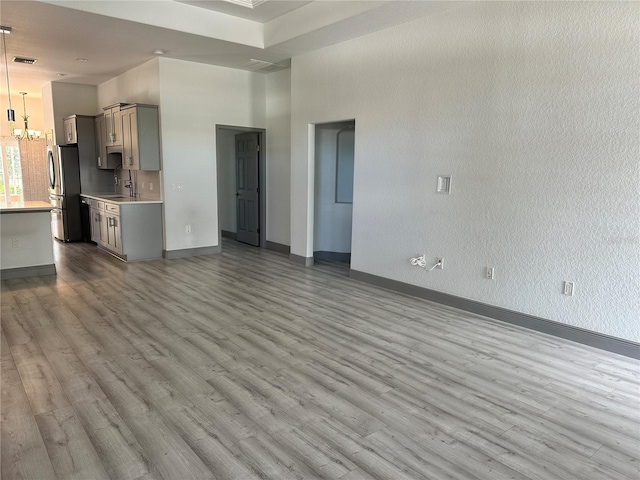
(70, 134)
(108, 128)
(104, 229)
(110, 242)
(96, 223)
(101, 150)
(130, 155)
(114, 234)
(113, 127)
(135, 152)
(117, 127)
(125, 120)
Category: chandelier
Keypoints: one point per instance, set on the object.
(26, 133)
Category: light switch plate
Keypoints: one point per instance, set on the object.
(444, 184)
(568, 288)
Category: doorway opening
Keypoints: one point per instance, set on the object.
(241, 167)
(333, 191)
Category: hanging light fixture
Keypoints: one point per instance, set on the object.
(11, 115)
(26, 134)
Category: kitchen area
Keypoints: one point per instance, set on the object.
(104, 188)
(110, 199)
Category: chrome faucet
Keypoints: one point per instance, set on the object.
(131, 186)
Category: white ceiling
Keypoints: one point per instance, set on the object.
(260, 11)
(114, 36)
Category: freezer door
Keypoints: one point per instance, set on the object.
(57, 223)
(57, 201)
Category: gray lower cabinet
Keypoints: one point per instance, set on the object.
(96, 225)
(114, 235)
(131, 231)
(98, 222)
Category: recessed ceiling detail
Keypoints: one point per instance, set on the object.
(116, 36)
(261, 11)
(261, 66)
(246, 3)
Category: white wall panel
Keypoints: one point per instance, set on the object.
(532, 107)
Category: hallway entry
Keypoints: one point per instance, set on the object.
(241, 165)
(333, 199)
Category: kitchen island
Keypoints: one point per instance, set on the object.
(26, 243)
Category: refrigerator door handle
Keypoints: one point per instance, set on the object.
(52, 170)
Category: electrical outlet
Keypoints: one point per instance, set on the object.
(15, 242)
(440, 263)
(490, 273)
(150, 186)
(188, 228)
(568, 288)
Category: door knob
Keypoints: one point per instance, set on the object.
(237, 194)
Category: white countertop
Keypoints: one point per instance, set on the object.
(19, 207)
(119, 199)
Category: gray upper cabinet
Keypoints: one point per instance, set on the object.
(141, 137)
(78, 128)
(101, 149)
(104, 160)
(70, 130)
(113, 125)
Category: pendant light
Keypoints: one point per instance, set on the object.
(11, 115)
(25, 134)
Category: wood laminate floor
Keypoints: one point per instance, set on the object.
(242, 365)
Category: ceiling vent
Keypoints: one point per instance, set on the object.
(262, 67)
(30, 61)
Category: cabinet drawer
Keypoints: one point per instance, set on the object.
(112, 208)
(98, 204)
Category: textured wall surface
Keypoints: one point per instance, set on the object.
(533, 108)
(138, 85)
(215, 96)
(278, 110)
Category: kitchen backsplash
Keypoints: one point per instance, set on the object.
(148, 183)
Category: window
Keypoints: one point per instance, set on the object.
(11, 172)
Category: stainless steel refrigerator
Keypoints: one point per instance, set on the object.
(64, 192)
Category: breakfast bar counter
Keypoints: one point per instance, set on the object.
(26, 243)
